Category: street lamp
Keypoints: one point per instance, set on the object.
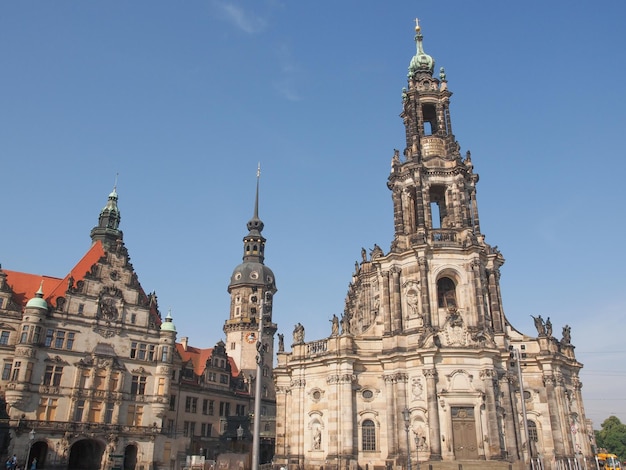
(406, 414)
(31, 439)
(417, 450)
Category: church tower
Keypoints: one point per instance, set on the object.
(252, 287)
(426, 368)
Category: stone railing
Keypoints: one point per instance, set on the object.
(316, 348)
(444, 237)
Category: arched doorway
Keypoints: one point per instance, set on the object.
(130, 457)
(38, 451)
(86, 454)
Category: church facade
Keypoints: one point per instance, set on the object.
(424, 368)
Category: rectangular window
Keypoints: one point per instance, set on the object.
(191, 404)
(29, 371)
(16, 370)
(186, 429)
(205, 407)
(59, 340)
(151, 352)
(133, 349)
(223, 378)
(95, 412)
(100, 379)
(78, 412)
(4, 337)
(84, 378)
(164, 354)
(69, 344)
(115, 379)
(6, 371)
(240, 410)
(212, 377)
(172, 402)
(47, 409)
(224, 408)
(37, 335)
(142, 352)
(24, 335)
(134, 415)
(206, 429)
(81, 309)
(49, 337)
(161, 386)
(138, 385)
(211, 407)
(108, 413)
(52, 375)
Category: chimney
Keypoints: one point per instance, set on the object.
(184, 341)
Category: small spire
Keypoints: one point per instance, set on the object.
(39, 293)
(421, 62)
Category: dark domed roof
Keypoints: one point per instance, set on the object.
(250, 273)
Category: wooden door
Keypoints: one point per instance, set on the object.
(464, 433)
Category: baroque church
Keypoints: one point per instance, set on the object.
(424, 370)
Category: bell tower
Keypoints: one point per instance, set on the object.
(252, 287)
(436, 212)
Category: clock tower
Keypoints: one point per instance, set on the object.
(252, 287)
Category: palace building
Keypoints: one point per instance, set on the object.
(93, 378)
(424, 369)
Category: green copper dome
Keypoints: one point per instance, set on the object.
(38, 301)
(421, 62)
(168, 325)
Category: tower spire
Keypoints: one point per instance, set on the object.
(107, 229)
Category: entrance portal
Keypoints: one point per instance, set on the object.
(86, 454)
(464, 433)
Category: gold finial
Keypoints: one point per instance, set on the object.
(258, 170)
(417, 25)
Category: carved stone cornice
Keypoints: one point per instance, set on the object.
(298, 383)
(341, 379)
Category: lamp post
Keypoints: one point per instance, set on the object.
(526, 447)
(406, 414)
(31, 439)
(417, 450)
(256, 438)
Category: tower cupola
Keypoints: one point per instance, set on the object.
(107, 229)
(421, 62)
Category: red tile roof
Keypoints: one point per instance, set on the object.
(198, 358)
(24, 285)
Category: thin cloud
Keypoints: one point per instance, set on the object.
(244, 20)
(286, 84)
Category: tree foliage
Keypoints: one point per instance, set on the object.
(612, 437)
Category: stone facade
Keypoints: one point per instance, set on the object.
(90, 365)
(425, 368)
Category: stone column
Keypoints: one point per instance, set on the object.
(494, 300)
(392, 434)
(386, 303)
(426, 313)
(434, 427)
(493, 427)
(419, 205)
(509, 405)
(398, 217)
(557, 432)
(478, 298)
(396, 309)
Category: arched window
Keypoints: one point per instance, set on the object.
(446, 293)
(368, 435)
(533, 437)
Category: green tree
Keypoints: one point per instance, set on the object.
(612, 437)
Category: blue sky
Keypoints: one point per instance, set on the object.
(183, 99)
